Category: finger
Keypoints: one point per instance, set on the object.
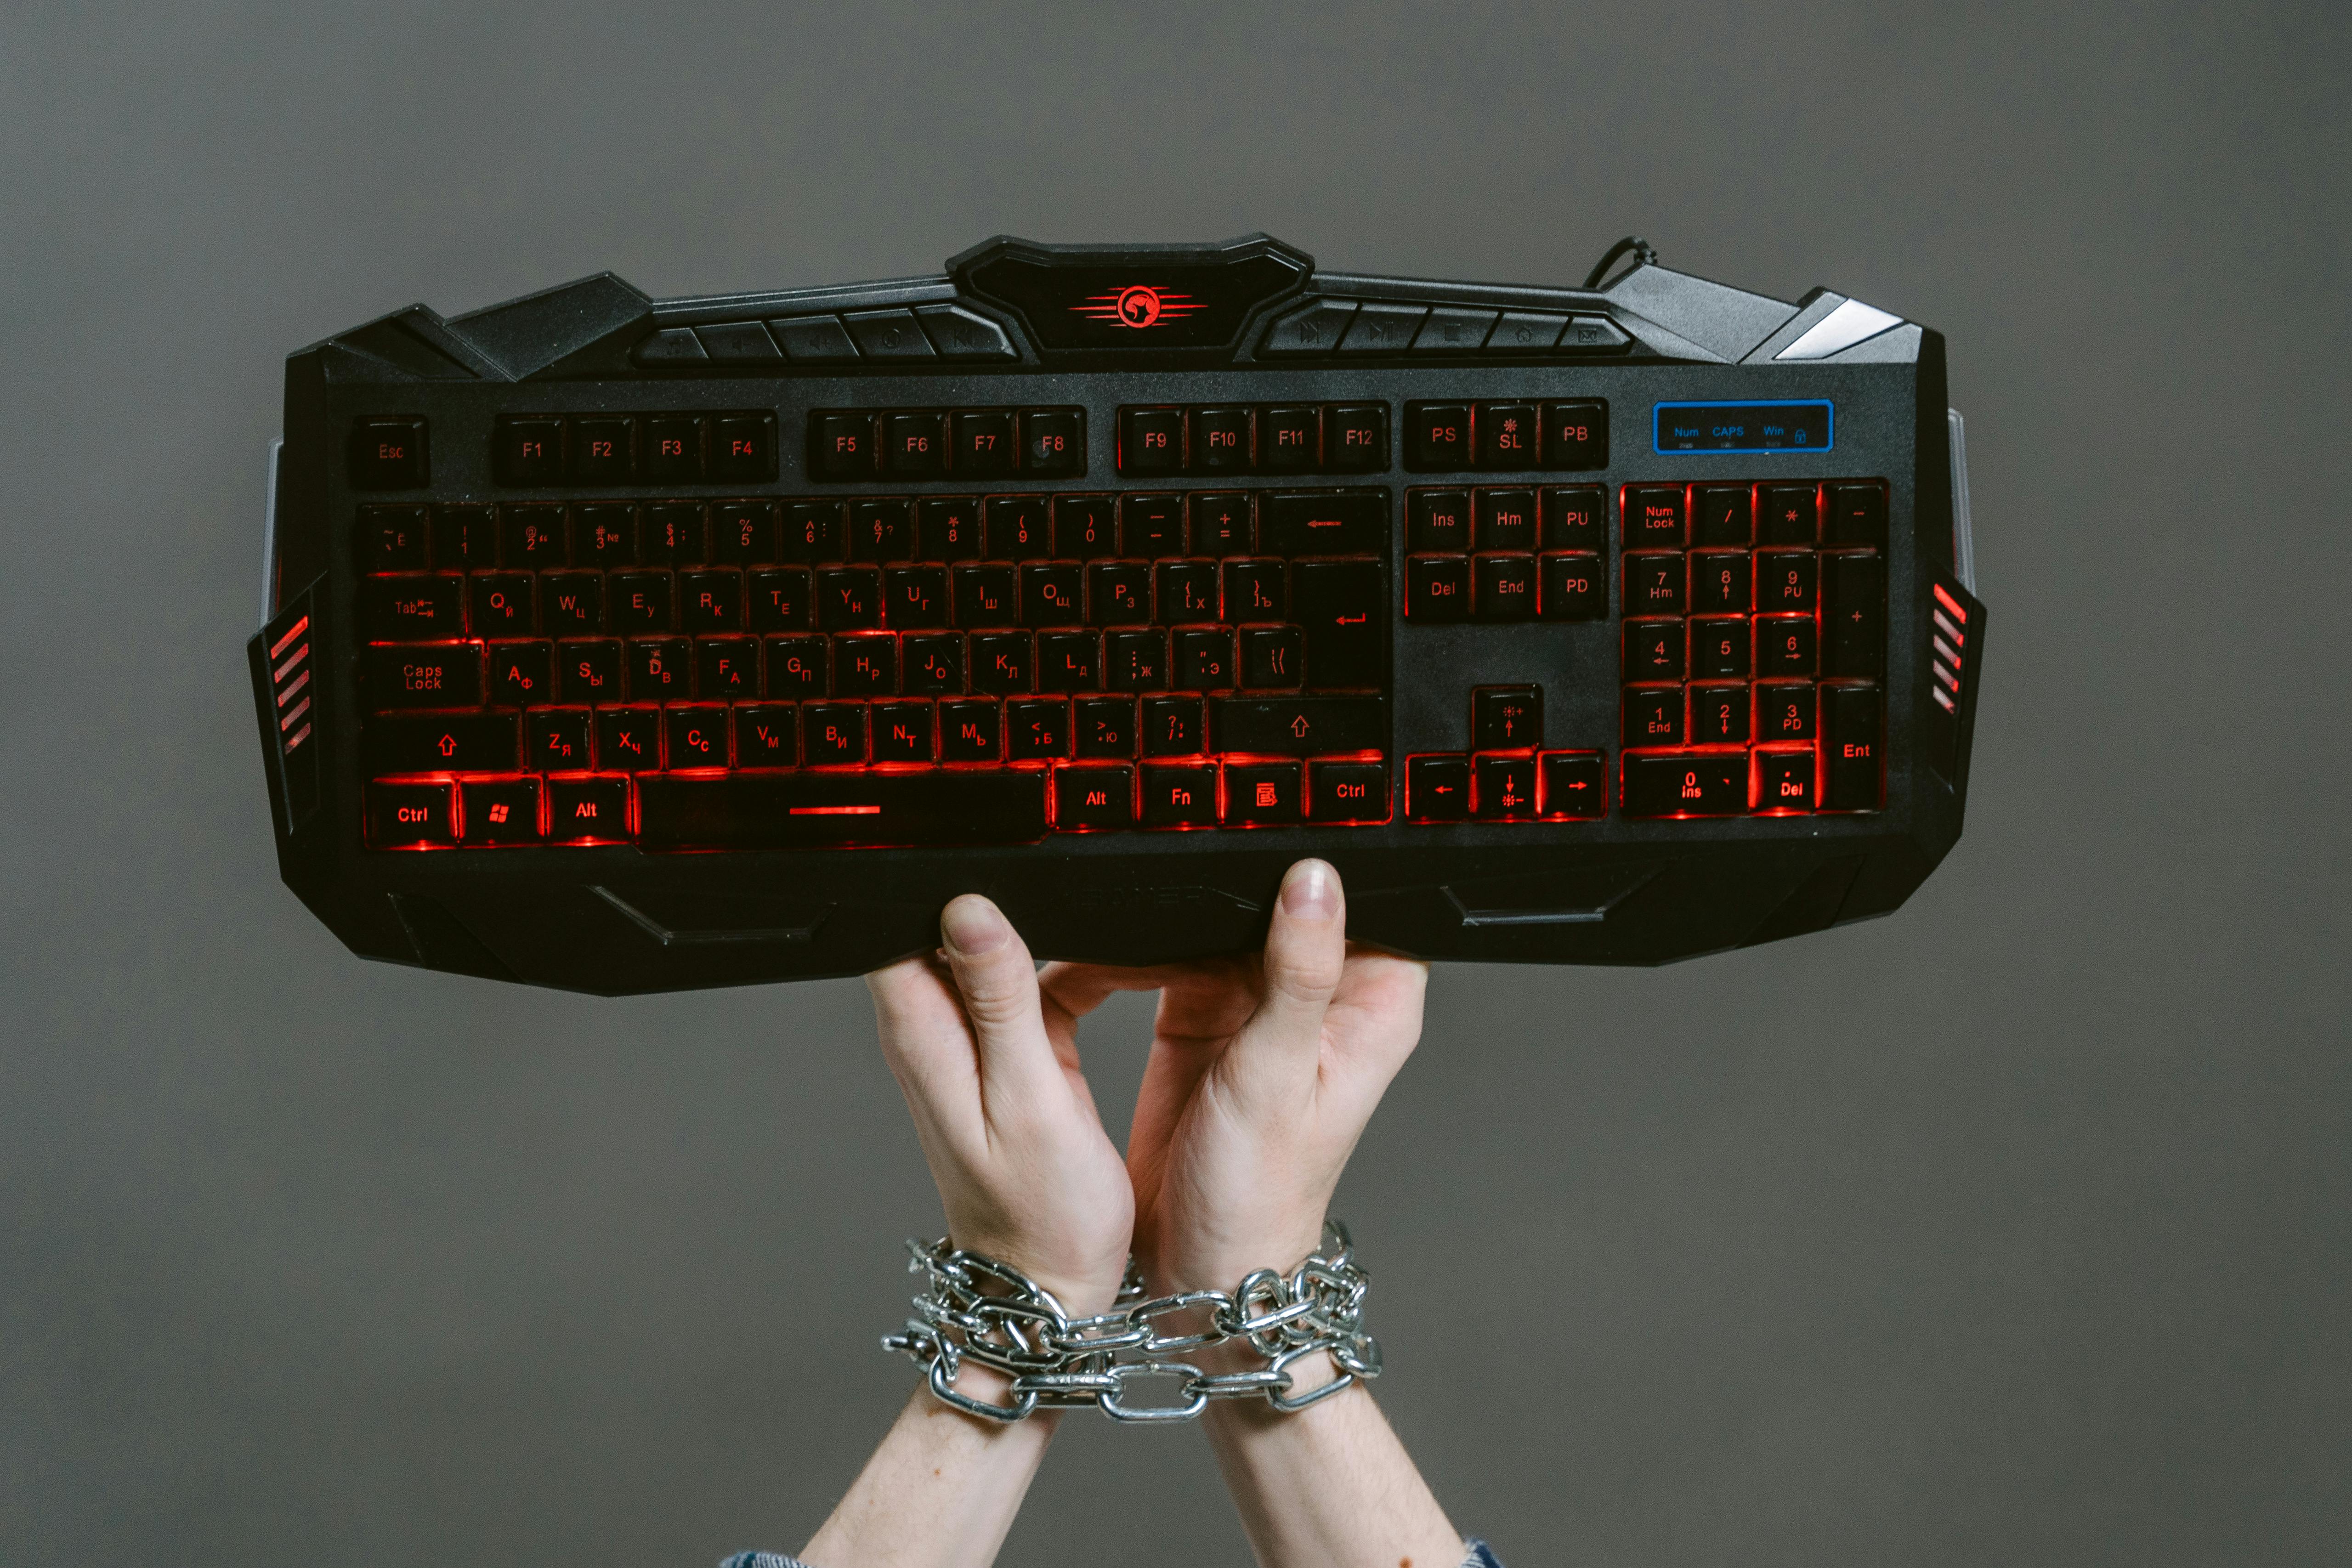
(1306, 957)
(998, 983)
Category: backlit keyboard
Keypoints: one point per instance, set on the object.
(625, 646)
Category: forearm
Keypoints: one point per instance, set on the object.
(1328, 1486)
(941, 1489)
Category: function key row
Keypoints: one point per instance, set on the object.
(1327, 326)
(1295, 438)
(849, 445)
(535, 449)
(1842, 514)
(1443, 436)
(896, 335)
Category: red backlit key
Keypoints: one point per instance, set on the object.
(1341, 604)
(1151, 525)
(778, 600)
(1784, 780)
(947, 530)
(1105, 726)
(1135, 661)
(1437, 789)
(1036, 730)
(1002, 662)
(443, 743)
(506, 812)
(1654, 517)
(789, 811)
(1575, 519)
(1719, 716)
(1784, 712)
(932, 667)
(914, 596)
(1187, 591)
(571, 603)
(639, 601)
(1346, 792)
(743, 533)
(661, 669)
(1263, 792)
(1173, 727)
(1850, 721)
(1505, 519)
(1503, 788)
(969, 732)
(798, 667)
(986, 596)
(1068, 661)
(833, 733)
(1571, 588)
(1790, 516)
(849, 597)
(881, 530)
(413, 609)
(1082, 527)
(1722, 515)
(628, 739)
(727, 668)
(1437, 522)
(1090, 799)
(1719, 650)
(1719, 581)
(1784, 645)
(766, 736)
(1118, 593)
(1049, 595)
(812, 531)
(1437, 588)
(711, 601)
(588, 672)
(1179, 796)
(399, 815)
(1784, 580)
(521, 673)
(1654, 584)
(441, 675)
(392, 538)
(531, 537)
(1505, 587)
(1653, 650)
(1574, 783)
(1653, 716)
(1205, 660)
(1685, 786)
(580, 810)
(865, 666)
(557, 739)
(902, 732)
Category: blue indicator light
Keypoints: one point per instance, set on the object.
(1783, 426)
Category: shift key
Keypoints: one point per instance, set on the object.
(1327, 522)
(443, 743)
(1298, 727)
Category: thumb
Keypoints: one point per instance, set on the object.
(1305, 953)
(997, 981)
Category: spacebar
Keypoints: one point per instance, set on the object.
(832, 810)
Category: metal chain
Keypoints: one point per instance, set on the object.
(978, 1309)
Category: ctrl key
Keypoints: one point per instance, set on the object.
(408, 816)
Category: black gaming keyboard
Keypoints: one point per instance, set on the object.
(624, 645)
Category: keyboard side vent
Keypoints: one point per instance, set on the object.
(1955, 657)
(289, 693)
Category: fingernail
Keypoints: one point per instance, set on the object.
(1311, 891)
(973, 925)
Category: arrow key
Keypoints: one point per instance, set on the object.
(1437, 789)
(1574, 783)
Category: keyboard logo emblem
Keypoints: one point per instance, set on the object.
(1138, 305)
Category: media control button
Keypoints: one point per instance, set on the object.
(888, 335)
(1314, 328)
(1451, 330)
(814, 340)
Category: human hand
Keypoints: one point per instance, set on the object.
(990, 1068)
(1264, 1069)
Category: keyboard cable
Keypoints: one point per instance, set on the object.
(1645, 255)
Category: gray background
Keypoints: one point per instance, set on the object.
(2010, 1230)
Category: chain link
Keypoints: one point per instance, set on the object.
(974, 1308)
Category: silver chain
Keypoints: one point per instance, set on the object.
(1056, 1360)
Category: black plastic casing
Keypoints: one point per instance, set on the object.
(1619, 890)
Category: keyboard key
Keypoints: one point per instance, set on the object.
(1503, 788)
(1299, 726)
(1505, 718)
(400, 815)
(743, 447)
(1437, 789)
(1012, 527)
(1151, 525)
(1054, 442)
(1653, 650)
(728, 668)
(915, 597)
(1505, 587)
(1314, 328)
(571, 603)
(1104, 727)
(1854, 615)
(1049, 595)
(588, 672)
(1784, 780)
(881, 530)
(982, 445)
(1263, 793)
(1655, 583)
(947, 530)
(711, 601)
(865, 666)
(528, 450)
(1171, 726)
(444, 675)
(1719, 650)
(555, 740)
(849, 597)
(1187, 592)
(1093, 799)
(842, 446)
(1507, 435)
(785, 811)
(1346, 792)
(1719, 581)
(1341, 604)
(1575, 519)
(1082, 527)
(1719, 716)
(1383, 329)
(1784, 645)
(743, 533)
(1437, 588)
(674, 535)
(1576, 436)
(1525, 332)
(392, 455)
(902, 732)
(1857, 515)
(969, 732)
(1722, 515)
(674, 449)
(531, 537)
(1221, 440)
(1654, 517)
(1069, 661)
(1711, 785)
(521, 674)
(506, 812)
(1851, 722)
(1505, 519)
(1790, 516)
(985, 596)
(833, 734)
(1135, 661)
(604, 536)
(1340, 522)
(1438, 521)
(661, 669)
(639, 601)
(1437, 436)
(1179, 796)
(799, 667)
(1356, 437)
(778, 600)
(584, 810)
(916, 445)
(503, 604)
(812, 531)
(628, 739)
(1221, 525)
(697, 737)
(1574, 783)
(1036, 730)
(1653, 716)
(1002, 662)
(442, 743)
(1454, 330)
(1784, 712)
(932, 667)
(766, 736)
(1785, 580)
(1204, 659)
(1253, 591)
(392, 538)
(1273, 658)
(1150, 441)
(1289, 440)
(412, 609)
(1572, 588)
(463, 538)
(1118, 593)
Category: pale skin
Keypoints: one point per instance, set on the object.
(1263, 1072)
